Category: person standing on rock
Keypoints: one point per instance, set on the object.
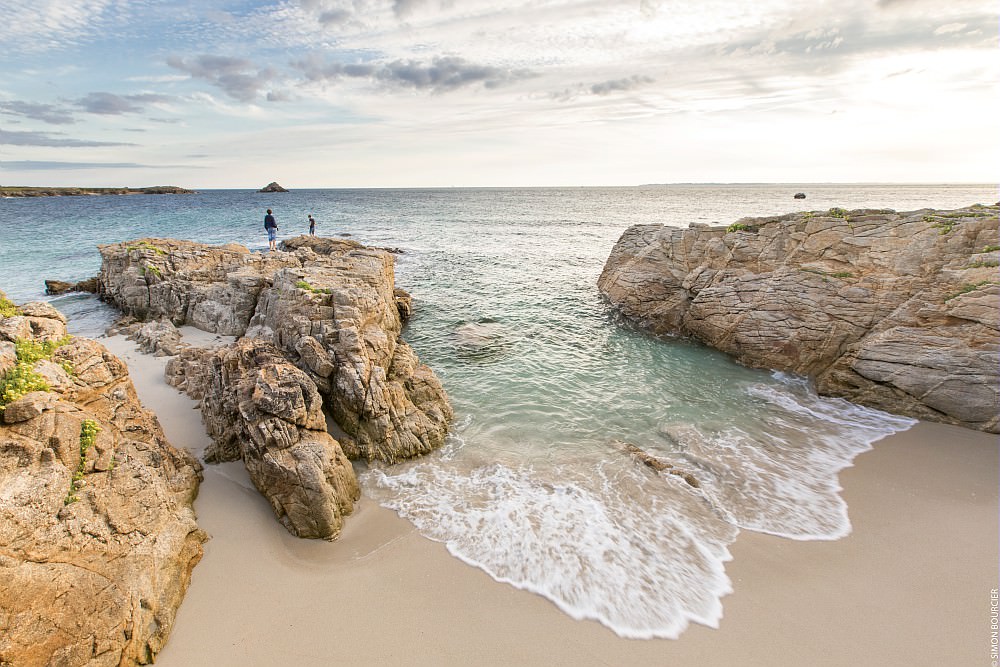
(271, 225)
(312, 226)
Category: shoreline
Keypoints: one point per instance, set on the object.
(909, 585)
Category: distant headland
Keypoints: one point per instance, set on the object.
(17, 191)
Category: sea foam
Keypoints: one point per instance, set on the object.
(607, 539)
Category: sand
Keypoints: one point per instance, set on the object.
(910, 586)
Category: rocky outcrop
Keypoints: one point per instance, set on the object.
(330, 306)
(272, 187)
(97, 532)
(330, 310)
(892, 310)
(260, 408)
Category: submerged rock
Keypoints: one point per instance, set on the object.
(893, 310)
(97, 532)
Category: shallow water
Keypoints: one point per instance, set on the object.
(534, 486)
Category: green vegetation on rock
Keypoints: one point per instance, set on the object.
(969, 287)
(309, 288)
(88, 436)
(7, 307)
(146, 245)
(23, 379)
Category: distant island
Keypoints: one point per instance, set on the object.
(12, 191)
(272, 187)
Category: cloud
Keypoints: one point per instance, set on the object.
(617, 85)
(237, 77)
(41, 165)
(114, 105)
(442, 74)
(45, 139)
(47, 113)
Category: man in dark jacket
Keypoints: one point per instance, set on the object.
(271, 225)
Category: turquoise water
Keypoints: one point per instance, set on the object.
(533, 485)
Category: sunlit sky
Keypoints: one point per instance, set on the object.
(417, 93)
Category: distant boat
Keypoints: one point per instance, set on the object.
(800, 195)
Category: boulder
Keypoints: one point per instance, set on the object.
(53, 287)
(896, 310)
(97, 531)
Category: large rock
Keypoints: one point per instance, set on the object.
(893, 310)
(272, 187)
(260, 408)
(329, 305)
(96, 580)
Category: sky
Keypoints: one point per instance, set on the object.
(441, 93)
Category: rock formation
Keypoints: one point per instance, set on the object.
(892, 310)
(7, 191)
(272, 187)
(260, 408)
(97, 532)
(61, 286)
(327, 306)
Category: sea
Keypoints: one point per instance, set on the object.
(550, 386)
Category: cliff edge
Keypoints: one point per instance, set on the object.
(897, 311)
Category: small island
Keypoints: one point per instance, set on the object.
(272, 187)
(19, 191)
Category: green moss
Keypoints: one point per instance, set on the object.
(146, 245)
(88, 436)
(309, 288)
(150, 269)
(946, 226)
(740, 227)
(837, 212)
(990, 248)
(969, 287)
(981, 263)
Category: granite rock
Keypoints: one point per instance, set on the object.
(92, 570)
(893, 310)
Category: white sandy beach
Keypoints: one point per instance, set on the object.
(910, 586)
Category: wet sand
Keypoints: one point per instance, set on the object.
(910, 585)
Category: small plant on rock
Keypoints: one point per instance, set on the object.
(88, 436)
(7, 307)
